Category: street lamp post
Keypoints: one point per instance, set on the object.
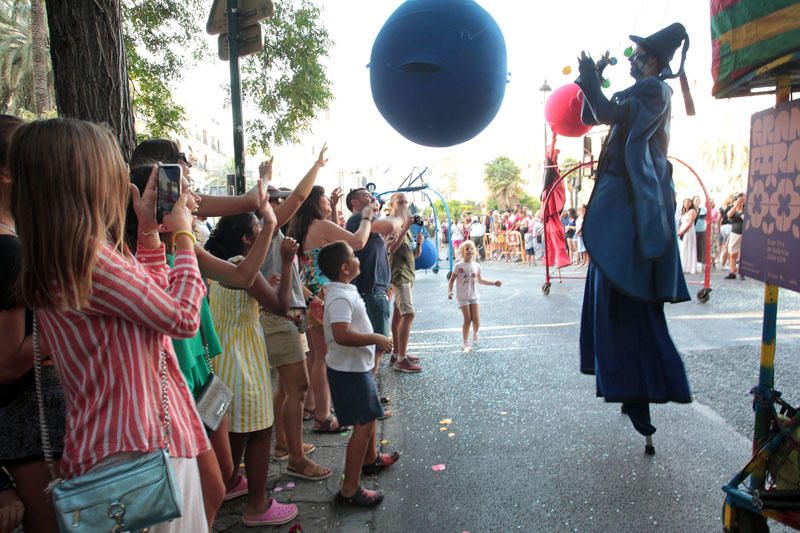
(544, 89)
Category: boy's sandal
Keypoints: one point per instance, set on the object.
(329, 425)
(312, 472)
(362, 498)
(308, 415)
(283, 455)
(384, 461)
(386, 400)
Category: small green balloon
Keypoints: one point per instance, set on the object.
(628, 52)
(606, 84)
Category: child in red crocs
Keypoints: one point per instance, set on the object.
(350, 359)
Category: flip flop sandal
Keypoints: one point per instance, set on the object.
(329, 425)
(310, 477)
(361, 498)
(308, 415)
(283, 455)
(275, 515)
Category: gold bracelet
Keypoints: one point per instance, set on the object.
(187, 233)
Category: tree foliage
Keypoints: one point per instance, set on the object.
(503, 178)
(163, 38)
(286, 80)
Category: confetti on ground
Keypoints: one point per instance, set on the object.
(297, 528)
(384, 442)
(343, 433)
(446, 421)
(503, 413)
(290, 485)
(438, 468)
(277, 489)
(443, 428)
(451, 435)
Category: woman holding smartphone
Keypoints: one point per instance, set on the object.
(216, 465)
(107, 315)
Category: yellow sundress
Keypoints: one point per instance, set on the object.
(243, 364)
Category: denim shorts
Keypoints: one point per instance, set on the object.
(378, 310)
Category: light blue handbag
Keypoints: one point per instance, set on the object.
(127, 496)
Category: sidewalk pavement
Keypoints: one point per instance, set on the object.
(314, 499)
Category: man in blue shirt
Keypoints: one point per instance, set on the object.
(373, 282)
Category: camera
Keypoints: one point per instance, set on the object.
(418, 220)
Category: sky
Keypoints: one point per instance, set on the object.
(541, 40)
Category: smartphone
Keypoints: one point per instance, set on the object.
(169, 189)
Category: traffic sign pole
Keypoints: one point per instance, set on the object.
(236, 94)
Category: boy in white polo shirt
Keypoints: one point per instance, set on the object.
(350, 359)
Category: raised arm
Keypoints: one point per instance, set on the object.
(220, 206)
(289, 207)
(401, 235)
(244, 274)
(277, 303)
(357, 240)
(597, 109)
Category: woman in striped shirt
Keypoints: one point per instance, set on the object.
(106, 315)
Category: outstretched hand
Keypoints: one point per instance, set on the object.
(603, 62)
(265, 169)
(321, 159)
(586, 64)
(144, 204)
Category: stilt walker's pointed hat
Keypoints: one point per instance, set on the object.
(663, 45)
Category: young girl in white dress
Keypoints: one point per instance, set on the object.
(466, 277)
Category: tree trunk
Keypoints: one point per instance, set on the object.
(88, 53)
(39, 58)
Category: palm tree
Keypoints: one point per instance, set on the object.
(25, 73)
(504, 180)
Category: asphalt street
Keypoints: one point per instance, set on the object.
(529, 447)
(518, 438)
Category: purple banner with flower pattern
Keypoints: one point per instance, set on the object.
(771, 239)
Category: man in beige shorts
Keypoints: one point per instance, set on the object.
(286, 347)
(402, 254)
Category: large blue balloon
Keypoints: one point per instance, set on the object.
(427, 257)
(438, 70)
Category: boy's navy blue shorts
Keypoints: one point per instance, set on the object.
(355, 397)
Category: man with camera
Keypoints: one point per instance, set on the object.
(402, 253)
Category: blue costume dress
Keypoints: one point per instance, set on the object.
(630, 233)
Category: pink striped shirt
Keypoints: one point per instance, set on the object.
(107, 356)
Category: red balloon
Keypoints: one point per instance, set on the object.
(563, 111)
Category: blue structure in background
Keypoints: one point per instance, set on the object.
(430, 249)
(438, 71)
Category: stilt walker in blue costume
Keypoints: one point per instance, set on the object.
(629, 231)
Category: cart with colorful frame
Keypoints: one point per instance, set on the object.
(756, 50)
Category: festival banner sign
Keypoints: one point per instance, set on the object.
(771, 240)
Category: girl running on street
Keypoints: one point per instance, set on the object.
(466, 277)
